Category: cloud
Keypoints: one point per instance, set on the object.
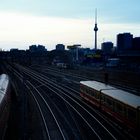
(26, 29)
(108, 32)
(19, 27)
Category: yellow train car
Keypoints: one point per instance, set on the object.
(120, 104)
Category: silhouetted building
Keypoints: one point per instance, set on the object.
(14, 50)
(107, 47)
(35, 48)
(136, 43)
(124, 41)
(127, 50)
(75, 49)
(41, 48)
(93, 56)
(60, 47)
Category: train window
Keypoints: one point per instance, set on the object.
(102, 98)
(125, 111)
(88, 91)
(109, 102)
(131, 114)
(119, 108)
(93, 93)
(97, 96)
(82, 88)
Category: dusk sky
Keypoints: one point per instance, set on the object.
(49, 22)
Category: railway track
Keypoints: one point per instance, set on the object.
(116, 79)
(106, 119)
(55, 136)
(75, 119)
(51, 127)
(59, 87)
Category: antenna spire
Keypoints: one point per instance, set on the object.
(96, 16)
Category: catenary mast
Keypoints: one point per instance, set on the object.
(95, 29)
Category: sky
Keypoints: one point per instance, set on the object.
(50, 22)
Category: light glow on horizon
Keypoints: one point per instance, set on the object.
(21, 30)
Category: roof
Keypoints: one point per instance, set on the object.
(97, 85)
(4, 80)
(118, 94)
(124, 96)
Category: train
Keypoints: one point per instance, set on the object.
(121, 105)
(5, 102)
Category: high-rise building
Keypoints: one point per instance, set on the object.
(35, 48)
(41, 48)
(107, 47)
(60, 47)
(124, 41)
(136, 43)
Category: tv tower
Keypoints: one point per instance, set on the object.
(95, 29)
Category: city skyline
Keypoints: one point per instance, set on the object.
(50, 22)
